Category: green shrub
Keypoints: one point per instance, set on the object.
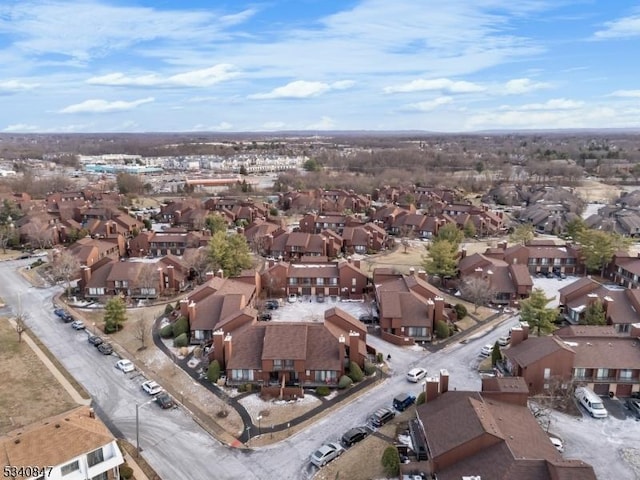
(168, 309)
(355, 372)
(248, 387)
(391, 461)
(369, 368)
(420, 399)
(442, 330)
(344, 382)
(110, 328)
(213, 374)
(181, 326)
(461, 310)
(379, 357)
(166, 331)
(323, 391)
(496, 354)
(126, 471)
(242, 387)
(181, 340)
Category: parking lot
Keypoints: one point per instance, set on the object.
(308, 309)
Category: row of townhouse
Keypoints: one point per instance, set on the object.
(597, 356)
(174, 241)
(191, 213)
(321, 200)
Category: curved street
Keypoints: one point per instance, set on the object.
(173, 444)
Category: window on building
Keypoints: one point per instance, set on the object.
(95, 457)
(416, 331)
(101, 476)
(547, 373)
(579, 373)
(277, 364)
(602, 373)
(326, 376)
(353, 282)
(626, 374)
(244, 375)
(70, 468)
(319, 281)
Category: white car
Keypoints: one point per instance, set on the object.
(504, 341)
(151, 387)
(557, 443)
(326, 453)
(125, 365)
(293, 298)
(486, 350)
(416, 374)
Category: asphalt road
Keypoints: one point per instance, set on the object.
(173, 443)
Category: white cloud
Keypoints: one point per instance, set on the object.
(196, 78)
(16, 85)
(443, 84)
(222, 126)
(553, 104)
(626, 93)
(325, 123)
(104, 106)
(302, 89)
(621, 28)
(21, 127)
(429, 105)
(523, 85)
(273, 125)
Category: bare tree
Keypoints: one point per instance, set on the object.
(148, 279)
(21, 321)
(38, 234)
(198, 262)
(140, 332)
(64, 266)
(477, 290)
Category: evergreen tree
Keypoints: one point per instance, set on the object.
(594, 314)
(534, 311)
(115, 314)
(442, 259)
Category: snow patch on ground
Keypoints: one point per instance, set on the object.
(254, 404)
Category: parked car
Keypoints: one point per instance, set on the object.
(293, 298)
(59, 312)
(65, 316)
(381, 416)
(164, 400)
(105, 348)
(354, 435)
(403, 401)
(151, 387)
(326, 453)
(416, 374)
(368, 318)
(320, 298)
(557, 443)
(77, 325)
(271, 304)
(486, 350)
(504, 341)
(125, 365)
(591, 402)
(634, 407)
(95, 340)
(265, 317)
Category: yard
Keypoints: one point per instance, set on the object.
(28, 391)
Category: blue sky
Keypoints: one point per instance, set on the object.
(436, 65)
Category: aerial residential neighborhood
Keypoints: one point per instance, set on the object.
(319, 240)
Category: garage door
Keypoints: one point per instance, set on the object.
(601, 388)
(623, 390)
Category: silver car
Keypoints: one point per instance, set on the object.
(326, 453)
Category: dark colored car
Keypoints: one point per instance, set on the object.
(271, 304)
(164, 400)
(105, 348)
(382, 416)
(368, 318)
(95, 340)
(64, 315)
(634, 407)
(265, 317)
(354, 435)
(404, 401)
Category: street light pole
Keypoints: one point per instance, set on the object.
(259, 429)
(138, 406)
(249, 433)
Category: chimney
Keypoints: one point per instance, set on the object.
(525, 329)
(502, 245)
(356, 263)
(517, 336)
(172, 276)
(349, 259)
(227, 348)
(209, 276)
(85, 274)
(184, 307)
(463, 253)
(92, 413)
(422, 274)
(431, 389)
(218, 345)
(177, 215)
(354, 340)
(591, 298)
(635, 330)
(444, 381)
(412, 271)
(342, 351)
(191, 308)
(438, 313)
(431, 306)
(220, 273)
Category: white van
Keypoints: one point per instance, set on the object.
(592, 402)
